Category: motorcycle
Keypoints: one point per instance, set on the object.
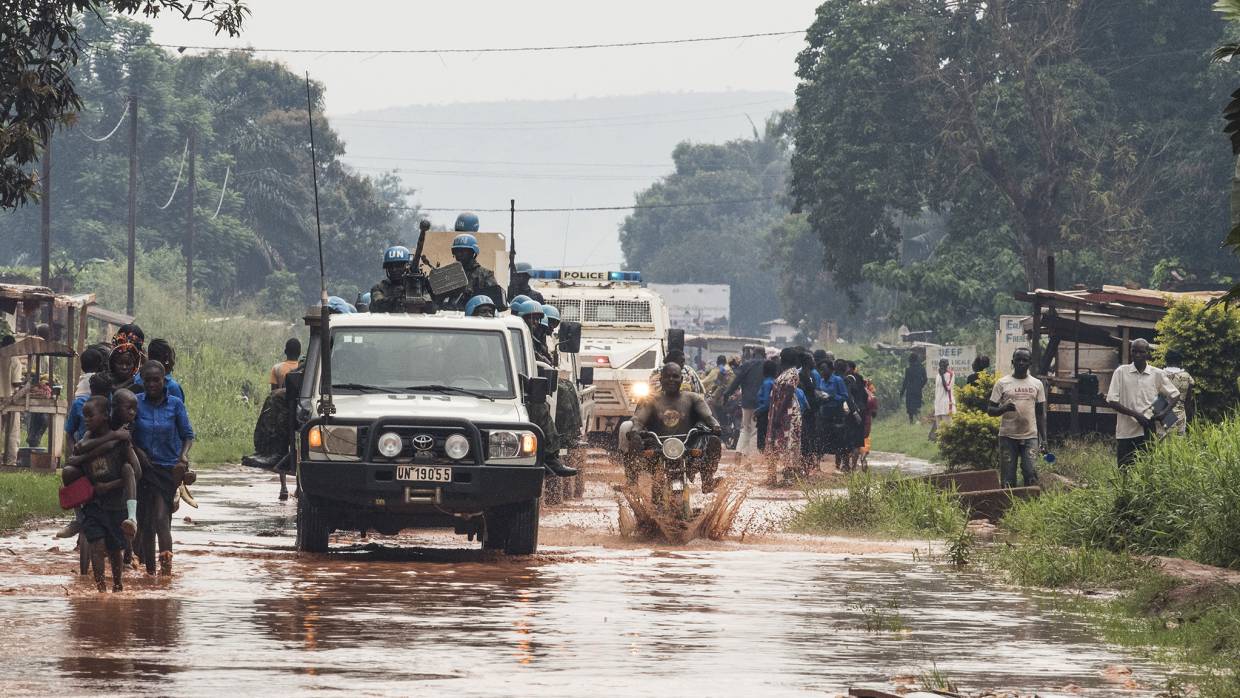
(674, 459)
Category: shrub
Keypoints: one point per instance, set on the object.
(970, 441)
(976, 397)
(1206, 336)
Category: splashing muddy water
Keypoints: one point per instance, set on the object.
(592, 612)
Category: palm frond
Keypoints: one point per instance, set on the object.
(1230, 9)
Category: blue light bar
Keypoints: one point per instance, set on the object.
(548, 274)
(634, 276)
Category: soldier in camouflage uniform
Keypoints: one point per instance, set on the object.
(388, 296)
(465, 250)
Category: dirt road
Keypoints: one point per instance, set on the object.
(772, 614)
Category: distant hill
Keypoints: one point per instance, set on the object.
(546, 154)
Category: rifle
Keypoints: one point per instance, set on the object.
(512, 239)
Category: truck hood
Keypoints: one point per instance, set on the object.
(374, 406)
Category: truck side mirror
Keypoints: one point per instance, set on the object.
(587, 376)
(535, 390)
(675, 340)
(570, 337)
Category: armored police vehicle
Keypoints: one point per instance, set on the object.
(624, 328)
(427, 425)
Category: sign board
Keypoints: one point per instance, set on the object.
(697, 308)
(1009, 337)
(959, 359)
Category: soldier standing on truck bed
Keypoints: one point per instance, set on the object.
(465, 250)
(388, 296)
(520, 283)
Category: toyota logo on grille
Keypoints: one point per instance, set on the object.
(423, 442)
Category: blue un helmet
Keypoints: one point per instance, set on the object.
(466, 242)
(551, 315)
(466, 223)
(397, 254)
(477, 303)
(529, 307)
(336, 304)
(523, 267)
(516, 301)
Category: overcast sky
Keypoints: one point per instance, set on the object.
(369, 82)
(363, 82)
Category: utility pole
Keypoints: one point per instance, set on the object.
(189, 238)
(133, 200)
(46, 206)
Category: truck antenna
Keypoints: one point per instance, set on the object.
(325, 407)
(512, 236)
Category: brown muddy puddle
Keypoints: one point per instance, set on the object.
(423, 614)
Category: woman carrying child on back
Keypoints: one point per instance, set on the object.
(163, 436)
(110, 465)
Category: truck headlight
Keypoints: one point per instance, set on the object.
(333, 439)
(456, 446)
(390, 444)
(640, 390)
(511, 444)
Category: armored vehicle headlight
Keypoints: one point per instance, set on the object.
(503, 444)
(456, 446)
(390, 444)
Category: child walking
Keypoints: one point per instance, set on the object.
(109, 463)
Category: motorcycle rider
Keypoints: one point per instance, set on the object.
(540, 413)
(675, 411)
(520, 283)
(388, 296)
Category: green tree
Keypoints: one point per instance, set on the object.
(1049, 126)
(721, 243)
(254, 209)
(40, 45)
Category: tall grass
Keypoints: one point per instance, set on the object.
(1181, 498)
(26, 497)
(881, 504)
(220, 351)
(893, 434)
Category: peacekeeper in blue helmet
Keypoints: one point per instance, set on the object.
(465, 250)
(388, 296)
(519, 285)
(480, 306)
(540, 413)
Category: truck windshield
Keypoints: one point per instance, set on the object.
(397, 359)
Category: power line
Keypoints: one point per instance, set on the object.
(584, 119)
(630, 207)
(177, 184)
(493, 49)
(114, 128)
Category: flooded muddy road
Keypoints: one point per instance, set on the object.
(593, 612)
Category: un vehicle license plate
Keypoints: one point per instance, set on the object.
(422, 473)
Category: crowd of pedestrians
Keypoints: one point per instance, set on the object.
(128, 437)
(794, 409)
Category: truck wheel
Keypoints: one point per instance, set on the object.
(313, 529)
(495, 533)
(523, 528)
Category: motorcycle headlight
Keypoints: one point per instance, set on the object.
(673, 449)
(390, 444)
(640, 390)
(456, 446)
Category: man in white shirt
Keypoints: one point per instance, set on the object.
(1134, 389)
(1019, 400)
(944, 401)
